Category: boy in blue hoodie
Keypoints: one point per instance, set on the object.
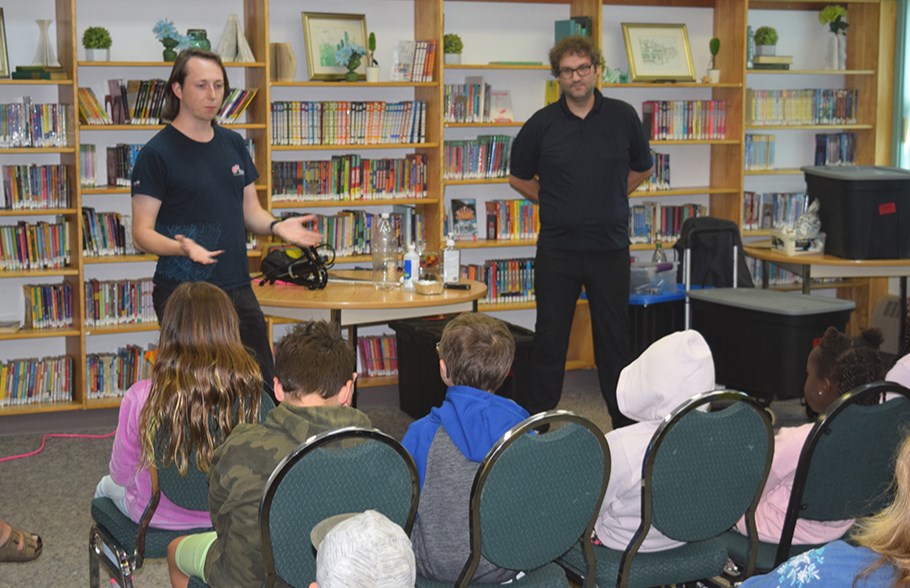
(475, 355)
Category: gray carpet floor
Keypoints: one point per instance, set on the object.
(50, 492)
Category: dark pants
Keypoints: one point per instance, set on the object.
(253, 332)
(558, 278)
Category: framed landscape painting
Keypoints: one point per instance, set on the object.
(658, 52)
(323, 35)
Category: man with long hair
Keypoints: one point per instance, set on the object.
(194, 197)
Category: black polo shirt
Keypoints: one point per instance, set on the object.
(583, 167)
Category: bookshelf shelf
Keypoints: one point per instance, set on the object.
(355, 146)
(503, 306)
(690, 191)
(672, 85)
(812, 72)
(36, 150)
(38, 334)
(161, 64)
(121, 329)
(844, 127)
(695, 142)
(276, 204)
(91, 260)
(499, 66)
(101, 190)
(483, 125)
(495, 243)
(67, 82)
(380, 84)
(774, 172)
(41, 408)
(48, 273)
(374, 381)
(146, 127)
(37, 212)
(475, 181)
(98, 403)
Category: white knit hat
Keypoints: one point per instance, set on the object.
(363, 550)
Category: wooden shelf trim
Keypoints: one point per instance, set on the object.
(158, 127)
(355, 146)
(496, 243)
(812, 72)
(163, 64)
(380, 84)
(473, 181)
(673, 85)
(276, 204)
(482, 125)
(694, 141)
(101, 259)
(38, 334)
(499, 66)
(783, 171)
(844, 127)
(120, 329)
(38, 273)
(689, 191)
(37, 211)
(36, 150)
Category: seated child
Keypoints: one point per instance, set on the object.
(314, 384)
(202, 376)
(362, 550)
(672, 370)
(837, 365)
(475, 355)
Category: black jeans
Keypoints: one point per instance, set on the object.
(253, 332)
(558, 278)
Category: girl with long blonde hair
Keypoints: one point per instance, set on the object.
(204, 382)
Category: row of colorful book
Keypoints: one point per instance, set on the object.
(377, 355)
(348, 123)
(654, 221)
(777, 276)
(23, 124)
(772, 210)
(35, 187)
(507, 280)
(26, 246)
(510, 219)
(414, 61)
(681, 120)
(660, 175)
(118, 302)
(475, 101)
(110, 375)
(835, 149)
(811, 106)
(120, 161)
(88, 159)
(34, 380)
(349, 177)
(486, 156)
(759, 151)
(48, 306)
(350, 232)
(235, 105)
(106, 233)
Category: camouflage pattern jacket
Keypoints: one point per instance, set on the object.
(241, 466)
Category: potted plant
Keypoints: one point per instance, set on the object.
(97, 43)
(765, 41)
(713, 71)
(372, 64)
(833, 15)
(452, 47)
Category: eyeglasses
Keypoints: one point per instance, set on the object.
(581, 70)
(438, 343)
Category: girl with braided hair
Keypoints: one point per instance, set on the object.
(837, 365)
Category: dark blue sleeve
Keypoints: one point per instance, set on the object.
(639, 148)
(526, 150)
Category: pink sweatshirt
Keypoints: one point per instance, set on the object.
(125, 470)
(772, 508)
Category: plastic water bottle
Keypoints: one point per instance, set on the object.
(451, 262)
(411, 267)
(384, 247)
(659, 256)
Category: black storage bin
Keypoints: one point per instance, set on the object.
(652, 316)
(419, 386)
(865, 210)
(761, 339)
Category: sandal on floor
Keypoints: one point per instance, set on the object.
(10, 552)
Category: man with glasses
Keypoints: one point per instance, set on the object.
(579, 159)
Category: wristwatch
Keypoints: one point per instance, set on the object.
(272, 226)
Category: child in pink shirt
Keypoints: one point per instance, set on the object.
(203, 379)
(836, 366)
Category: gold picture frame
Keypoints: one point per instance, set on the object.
(4, 54)
(658, 52)
(322, 32)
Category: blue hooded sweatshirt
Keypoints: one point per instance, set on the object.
(474, 420)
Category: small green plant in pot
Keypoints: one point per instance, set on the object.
(97, 42)
(713, 71)
(372, 64)
(765, 41)
(452, 47)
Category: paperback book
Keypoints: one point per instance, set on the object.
(464, 219)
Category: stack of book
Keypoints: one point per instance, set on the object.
(772, 61)
(39, 72)
(579, 26)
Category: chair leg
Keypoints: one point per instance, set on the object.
(121, 571)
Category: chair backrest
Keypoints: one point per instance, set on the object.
(348, 470)
(703, 470)
(266, 404)
(847, 462)
(536, 494)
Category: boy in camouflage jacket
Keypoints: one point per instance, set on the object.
(314, 385)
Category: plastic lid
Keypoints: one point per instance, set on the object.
(778, 303)
(411, 246)
(857, 172)
(450, 242)
(384, 215)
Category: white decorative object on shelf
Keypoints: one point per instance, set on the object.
(45, 54)
(841, 51)
(233, 46)
(831, 51)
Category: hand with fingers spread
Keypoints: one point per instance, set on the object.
(197, 252)
(293, 230)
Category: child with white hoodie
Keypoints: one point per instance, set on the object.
(669, 372)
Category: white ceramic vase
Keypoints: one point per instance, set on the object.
(452, 58)
(831, 52)
(841, 51)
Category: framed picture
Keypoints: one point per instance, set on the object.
(324, 34)
(658, 52)
(4, 54)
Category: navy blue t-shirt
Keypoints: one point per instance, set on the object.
(200, 186)
(583, 167)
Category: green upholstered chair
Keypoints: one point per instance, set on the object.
(131, 543)
(534, 496)
(349, 470)
(701, 472)
(844, 470)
